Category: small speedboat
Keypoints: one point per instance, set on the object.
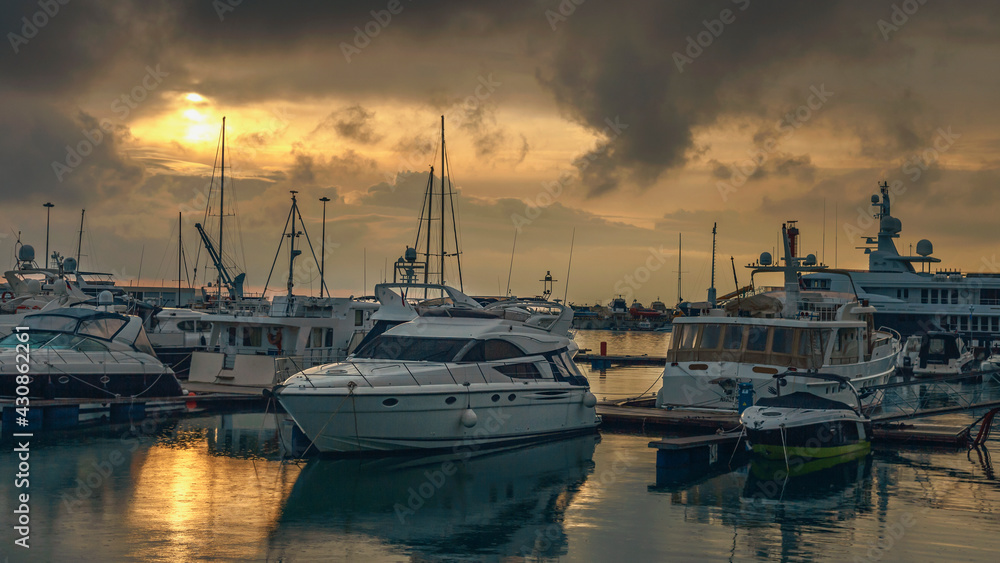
(941, 354)
(82, 353)
(807, 426)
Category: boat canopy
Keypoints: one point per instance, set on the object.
(802, 400)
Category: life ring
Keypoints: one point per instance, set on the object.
(6, 296)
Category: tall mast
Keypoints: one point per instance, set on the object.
(180, 248)
(678, 268)
(430, 218)
(222, 208)
(291, 253)
(711, 289)
(442, 200)
(79, 241)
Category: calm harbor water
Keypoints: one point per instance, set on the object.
(214, 487)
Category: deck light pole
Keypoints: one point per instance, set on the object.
(322, 257)
(48, 214)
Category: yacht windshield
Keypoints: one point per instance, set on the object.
(412, 349)
(57, 323)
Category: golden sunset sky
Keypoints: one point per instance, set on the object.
(644, 119)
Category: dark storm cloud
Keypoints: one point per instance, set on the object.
(45, 154)
(353, 122)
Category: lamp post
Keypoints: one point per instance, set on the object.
(322, 258)
(48, 213)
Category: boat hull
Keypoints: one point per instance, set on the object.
(713, 385)
(94, 385)
(811, 441)
(407, 418)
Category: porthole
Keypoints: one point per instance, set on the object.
(495, 398)
(511, 397)
(450, 400)
(64, 379)
(390, 402)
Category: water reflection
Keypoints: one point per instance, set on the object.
(508, 503)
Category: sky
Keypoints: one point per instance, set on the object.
(598, 132)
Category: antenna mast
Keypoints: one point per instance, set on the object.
(711, 289)
(79, 241)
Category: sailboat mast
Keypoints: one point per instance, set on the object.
(711, 289)
(291, 252)
(678, 267)
(222, 210)
(79, 241)
(430, 219)
(442, 200)
(180, 248)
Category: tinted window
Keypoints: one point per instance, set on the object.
(520, 371)
(51, 322)
(492, 350)
(782, 341)
(687, 335)
(101, 328)
(734, 338)
(757, 341)
(186, 326)
(415, 349)
(710, 337)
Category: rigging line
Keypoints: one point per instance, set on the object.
(455, 223)
(511, 269)
(305, 231)
(166, 249)
(281, 241)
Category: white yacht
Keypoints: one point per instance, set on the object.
(909, 297)
(249, 345)
(757, 337)
(456, 375)
(82, 352)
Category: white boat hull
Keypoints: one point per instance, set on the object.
(368, 419)
(713, 385)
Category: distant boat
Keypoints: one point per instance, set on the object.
(936, 354)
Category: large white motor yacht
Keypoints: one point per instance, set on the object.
(455, 376)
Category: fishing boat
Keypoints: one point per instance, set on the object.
(808, 426)
(83, 352)
(456, 375)
(754, 338)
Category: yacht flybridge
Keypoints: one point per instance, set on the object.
(754, 338)
(456, 375)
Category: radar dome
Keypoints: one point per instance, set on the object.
(26, 253)
(105, 298)
(874, 199)
(765, 258)
(925, 248)
(810, 260)
(410, 254)
(60, 287)
(891, 224)
(69, 265)
(34, 287)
